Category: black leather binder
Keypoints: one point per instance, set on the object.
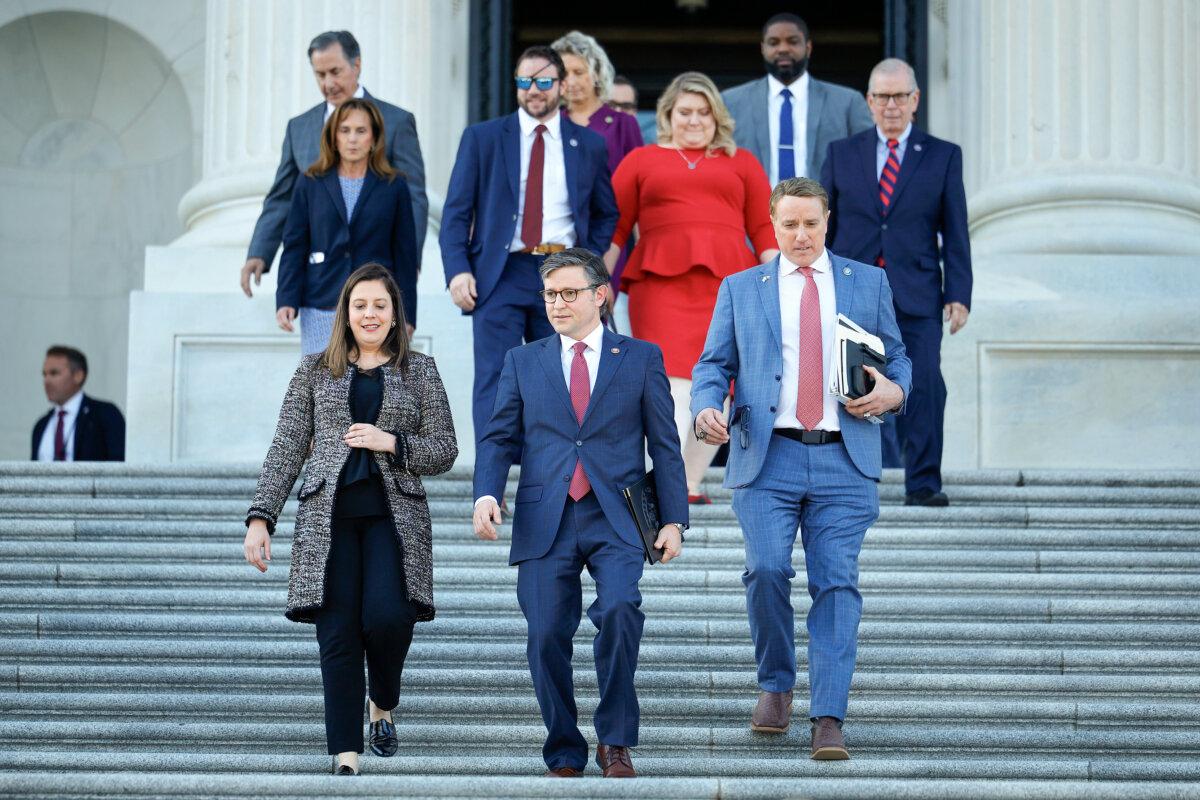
(855, 356)
(642, 500)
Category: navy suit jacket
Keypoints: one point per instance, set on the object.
(99, 432)
(630, 410)
(321, 249)
(929, 200)
(479, 217)
(302, 147)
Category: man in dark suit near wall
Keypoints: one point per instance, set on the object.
(336, 64)
(898, 202)
(78, 427)
(787, 118)
(524, 186)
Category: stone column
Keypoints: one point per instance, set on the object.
(1079, 123)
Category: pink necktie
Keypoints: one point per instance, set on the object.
(60, 443)
(581, 391)
(810, 400)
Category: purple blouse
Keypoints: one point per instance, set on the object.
(622, 134)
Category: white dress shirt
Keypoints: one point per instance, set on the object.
(330, 107)
(591, 356)
(558, 223)
(791, 290)
(46, 446)
(799, 90)
(881, 149)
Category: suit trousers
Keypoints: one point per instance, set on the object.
(511, 314)
(366, 611)
(551, 599)
(914, 439)
(817, 489)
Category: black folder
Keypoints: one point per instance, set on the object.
(855, 356)
(642, 500)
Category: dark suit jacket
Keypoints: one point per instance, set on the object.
(630, 409)
(302, 147)
(99, 432)
(834, 112)
(929, 199)
(479, 217)
(321, 249)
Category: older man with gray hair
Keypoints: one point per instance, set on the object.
(336, 63)
(898, 202)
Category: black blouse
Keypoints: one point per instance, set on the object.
(360, 489)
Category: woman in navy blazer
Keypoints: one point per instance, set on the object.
(349, 208)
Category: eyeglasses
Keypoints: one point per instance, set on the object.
(543, 84)
(568, 295)
(900, 98)
(626, 107)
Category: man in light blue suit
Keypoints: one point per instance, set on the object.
(336, 63)
(787, 118)
(581, 407)
(798, 458)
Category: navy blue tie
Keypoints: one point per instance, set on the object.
(787, 138)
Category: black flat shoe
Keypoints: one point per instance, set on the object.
(341, 769)
(383, 738)
(927, 497)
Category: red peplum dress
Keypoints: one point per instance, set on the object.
(692, 225)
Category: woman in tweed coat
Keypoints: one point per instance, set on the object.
(377, 418)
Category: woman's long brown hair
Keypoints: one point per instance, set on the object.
(341, 345)
(377, 162)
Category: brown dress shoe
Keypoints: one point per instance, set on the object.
(773, 714)
(615, 761)
(563, 772)
(827, 741)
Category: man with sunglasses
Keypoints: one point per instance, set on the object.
(581, 408)
(524, 186)
(898, 202)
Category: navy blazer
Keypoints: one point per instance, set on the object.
(99, 432)
(479, 217)
(302, 147)
(929, 200)
(321, 249)
(630, 411)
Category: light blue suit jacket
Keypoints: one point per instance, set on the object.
(745, 345)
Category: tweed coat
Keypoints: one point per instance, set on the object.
(317, 408)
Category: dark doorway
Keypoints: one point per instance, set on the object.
(651, 41)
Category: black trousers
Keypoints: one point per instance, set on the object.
(366, 612)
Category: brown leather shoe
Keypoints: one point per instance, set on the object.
(615, 761)
(563, 772)
(827, 741)
(773, 714)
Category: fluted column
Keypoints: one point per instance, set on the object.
(257, 77)
(1080, 124)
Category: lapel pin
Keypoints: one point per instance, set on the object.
(917, 147)
(845, 270)
(608, 120)
(615, 350)
(574, 143)
(766, 278)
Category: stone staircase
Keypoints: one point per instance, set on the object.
(1038, 639)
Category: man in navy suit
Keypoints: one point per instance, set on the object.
(581, 407)
(799, 459)
(336, 64)
(523, 186)
(898, 202)
(78, 427)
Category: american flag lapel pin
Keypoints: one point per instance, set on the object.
(615, 350)
(574, 143)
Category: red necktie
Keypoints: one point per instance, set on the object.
(60, 444)
(581, 391)
(810, 399)
(887, 182)
(531, 222)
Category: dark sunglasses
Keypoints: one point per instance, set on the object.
(543, 84)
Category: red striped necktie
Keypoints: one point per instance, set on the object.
(887, 181)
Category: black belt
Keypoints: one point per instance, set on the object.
(809, 437)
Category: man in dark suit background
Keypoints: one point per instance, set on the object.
(336, 63)
(581, 407)
(78, 428)
(898, 202)
(787, 118)
(524, 186)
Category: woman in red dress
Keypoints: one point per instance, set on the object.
(695, 199)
